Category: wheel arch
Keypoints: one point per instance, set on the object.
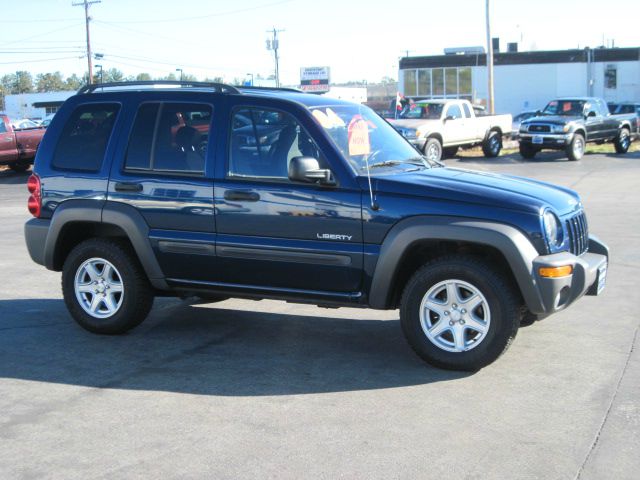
(418, 239)
(77, 220)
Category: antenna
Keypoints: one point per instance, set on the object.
(374, 205)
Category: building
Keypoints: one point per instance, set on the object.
(524, 80)
(34, 105)
(350, 94)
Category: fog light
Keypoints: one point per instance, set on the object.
(555, 272)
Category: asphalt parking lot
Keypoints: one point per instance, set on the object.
(245, 389)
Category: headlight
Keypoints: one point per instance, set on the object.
(552, 228)
(523, 128)
(418, 133)
(561, 128)
(410, 133)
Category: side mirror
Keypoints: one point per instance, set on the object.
(591, 113)
(307, 169)
(538, 113)
(449, 117)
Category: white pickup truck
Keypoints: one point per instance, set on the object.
(439, 127)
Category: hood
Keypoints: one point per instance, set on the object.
(414, 123)
(481, 188)
(553, 119)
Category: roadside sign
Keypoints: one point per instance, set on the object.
(314, 79)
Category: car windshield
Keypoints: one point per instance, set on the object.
(429, 111)
(571, 108)
(364, 139)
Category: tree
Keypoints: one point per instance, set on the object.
(113, 75)
(73, 82)
(187, 77)
(214, 80)
(19, 82)
(143, 77)
(171, 77)
(50, 82)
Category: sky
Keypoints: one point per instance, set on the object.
(357, 39)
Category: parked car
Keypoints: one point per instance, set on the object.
(439, 127)
(24, 124)
(18, 147)
(47, 120)
(340, 210)
(517, 120)
(570, 123)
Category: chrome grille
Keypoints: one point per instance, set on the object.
(578, 231)
(539, 128)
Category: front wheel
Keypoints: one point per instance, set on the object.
(622, 141)
(492, 145)
(458, 313)
(105, 288)
(575, 149)
(433, 149)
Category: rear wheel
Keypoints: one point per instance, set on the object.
(622, 141)
(433, 149)
(104, 287)
(575, 149)
(527, 151)
(492, 145)
(458, 313)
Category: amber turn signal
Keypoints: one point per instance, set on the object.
(555, 272)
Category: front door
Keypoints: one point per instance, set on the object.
(273, 233)
(453, 129)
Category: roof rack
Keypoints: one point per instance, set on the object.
(220, 87)
(280, 89)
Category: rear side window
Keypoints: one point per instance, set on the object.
(85, 136)
(3, 129)
(169, 137)
(467, 112)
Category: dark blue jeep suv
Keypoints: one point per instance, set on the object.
(209, 190)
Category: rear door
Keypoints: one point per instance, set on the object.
(8, 150)
(273, 233)
(165, 172)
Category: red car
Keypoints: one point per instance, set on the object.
(18, 147)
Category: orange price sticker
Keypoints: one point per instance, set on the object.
(358, 132)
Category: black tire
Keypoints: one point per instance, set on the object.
(575, 149)
(137, 297)
(449, 152)
(527, 151)
(19, 167)
(503, 303)
(433, 149)
(622, 141)
(492, 145)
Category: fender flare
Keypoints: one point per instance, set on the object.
(111, 213)
(511, 242)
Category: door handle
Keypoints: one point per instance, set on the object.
(242, 195)
(128, 187)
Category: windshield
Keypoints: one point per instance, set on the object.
(571, 108)
(429, 111)
(362, 136)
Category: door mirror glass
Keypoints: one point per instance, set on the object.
(307, 169)
(591, 113)
(449, 117)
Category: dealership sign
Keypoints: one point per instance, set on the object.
(314, 79)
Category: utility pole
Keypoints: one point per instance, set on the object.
(273, 44)
(490, 102)
(87, 18)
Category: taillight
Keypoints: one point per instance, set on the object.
(35, 199)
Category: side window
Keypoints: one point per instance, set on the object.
(85, 136)
(169, 137)
(467, 111)
(3, 128)
(454, 111)
(263, 142)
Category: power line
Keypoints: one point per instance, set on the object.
(41, 60)
(4, 44)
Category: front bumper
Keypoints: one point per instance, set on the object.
(549, 140)
(588, 276)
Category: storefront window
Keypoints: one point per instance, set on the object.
(438, 81)
(464, 82)
(451, 81)
(424, 82)
(410, 83)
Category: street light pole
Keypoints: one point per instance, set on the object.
(100, 67)
(87, 19)
(251, 75)
(490, 102)
(273, 44)
(179, 70)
